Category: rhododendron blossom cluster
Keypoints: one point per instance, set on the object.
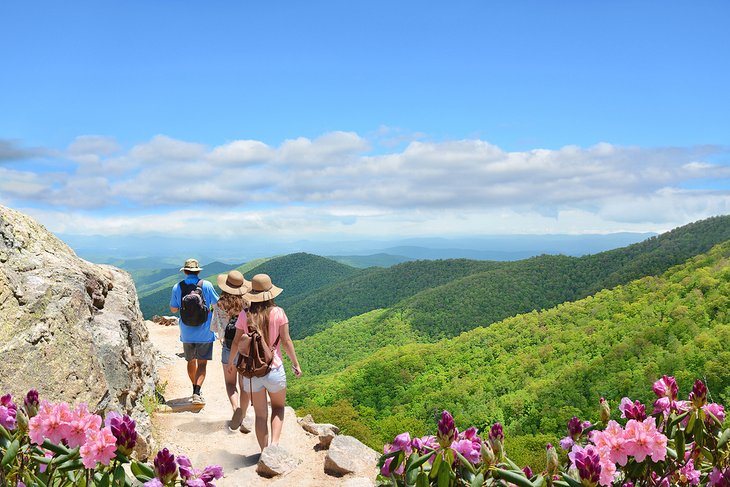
(53, 444)
(681, 443)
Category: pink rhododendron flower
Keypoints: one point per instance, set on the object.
(632, 410)
(612, 440)
(720, 478)
(717, 410)
(155, 482)
(643, 439)
(469, 449)
(666, 387)
(608, 473)
(567, 443)
(8, 412)
(80, 423)
(588, 463)
(56, 423)
(100, 446)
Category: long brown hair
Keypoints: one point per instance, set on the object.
(258, 317)
(231, 304)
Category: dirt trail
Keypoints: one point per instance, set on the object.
(204, 435)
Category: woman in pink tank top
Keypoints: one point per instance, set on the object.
(271, 322)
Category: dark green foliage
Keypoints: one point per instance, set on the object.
(300, 273)
(374, 288)
(545, 281)
(534, 371)
(374, 260)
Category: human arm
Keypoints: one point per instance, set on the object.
(288, 345)
(175, 299)
(231, 366)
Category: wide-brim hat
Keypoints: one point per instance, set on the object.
(191, 265)
(234, 283)
(262, 289)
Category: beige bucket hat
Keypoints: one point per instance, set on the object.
(234, 283)
(262, 289)
(191, 265)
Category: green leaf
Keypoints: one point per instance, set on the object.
(539, 481)
(512, 464)
(724, 438)
(679, 442)
(58, 449)
(436, 466)
(422, 480)
(570, 480)
(444, 477)
(691, 424)
(144, 469)
(104, 480)
(10, 453)
(119, 476)
(70, 465)
(478, 480)
(465, 463)
(513, 477)
(4, 433)
(418, 462)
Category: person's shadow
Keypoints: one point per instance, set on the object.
(179, 405)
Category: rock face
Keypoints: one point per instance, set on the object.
(69, 328)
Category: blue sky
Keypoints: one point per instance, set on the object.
(321, 119)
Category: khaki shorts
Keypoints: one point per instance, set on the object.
(200, 351)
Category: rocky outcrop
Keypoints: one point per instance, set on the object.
(70, 328)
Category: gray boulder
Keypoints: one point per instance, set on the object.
(70, 328)
(276, 461)
(349, 455)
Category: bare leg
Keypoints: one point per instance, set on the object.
(200, 372)
(231, 380)
(278, 400)
(262, 412)
(245, 396)
(192, 370)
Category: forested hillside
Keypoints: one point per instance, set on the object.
(374, 288)
(302, 272)
(545, 281)
(534, 371)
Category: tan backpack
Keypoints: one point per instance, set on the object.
(255, 356)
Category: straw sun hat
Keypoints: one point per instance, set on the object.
(234, 283)
(262, 289)
(191, 265)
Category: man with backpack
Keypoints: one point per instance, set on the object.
(193, 297)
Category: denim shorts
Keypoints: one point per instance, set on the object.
(200, 351)
(225, 354)
(274, 381)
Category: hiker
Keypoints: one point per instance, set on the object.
(225, 314)
(193, 297)
(271, 322)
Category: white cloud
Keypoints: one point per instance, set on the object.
(338, 183)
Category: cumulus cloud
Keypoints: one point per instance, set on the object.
(11, 151)
(342, 182)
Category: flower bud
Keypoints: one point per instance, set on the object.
(604, 411)
(488, 457)
(165, 466)
(124, 430)
(553, 463)
(575, 427)
(698, 396)
(31, 402)
(666, 387)
(496, 441)
(446, 429)
(527, 471)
